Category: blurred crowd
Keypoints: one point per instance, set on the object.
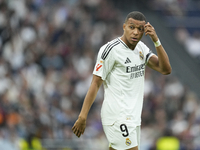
(183, 18)
(48, 50)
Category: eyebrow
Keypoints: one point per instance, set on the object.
(135, 25)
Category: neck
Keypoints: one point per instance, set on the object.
(123, 38)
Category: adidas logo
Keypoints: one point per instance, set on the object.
(127, 61)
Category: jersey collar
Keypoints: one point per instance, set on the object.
(123, 42)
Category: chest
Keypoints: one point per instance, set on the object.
(129, 64)
(130, 58)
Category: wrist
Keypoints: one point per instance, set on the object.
(82, 117)
(157, 43)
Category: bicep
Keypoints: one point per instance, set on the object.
(94, 87)
(153, 63)
(96, 81)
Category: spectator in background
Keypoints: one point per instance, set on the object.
(193, 45)
(47, 99)
(190, 41)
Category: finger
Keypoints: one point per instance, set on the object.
(147, 25)
(73, 128)
(76, 131)
(79, 134)
(149, 28)
(149, 33)
(146, 30)
(83, 131)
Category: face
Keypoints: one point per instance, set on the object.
(133, 32)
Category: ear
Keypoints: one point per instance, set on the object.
(124, 26)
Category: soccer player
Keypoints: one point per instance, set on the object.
(120, 66)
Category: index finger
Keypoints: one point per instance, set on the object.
(147, 25)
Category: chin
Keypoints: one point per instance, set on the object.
(134, 42)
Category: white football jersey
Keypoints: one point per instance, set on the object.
(122, 71)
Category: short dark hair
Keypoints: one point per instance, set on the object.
(136, 15)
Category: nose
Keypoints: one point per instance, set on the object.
(135, 31)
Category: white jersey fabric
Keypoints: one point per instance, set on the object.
(122, 71)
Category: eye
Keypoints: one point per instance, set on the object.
(131, 27)
(141, 29)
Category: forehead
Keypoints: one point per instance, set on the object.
(135, 22)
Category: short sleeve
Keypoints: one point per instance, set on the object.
(147, 52)
(148, 56)
(105, 62)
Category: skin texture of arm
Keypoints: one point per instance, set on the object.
(160, 63)
(80, 124)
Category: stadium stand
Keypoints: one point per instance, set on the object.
(47, 54)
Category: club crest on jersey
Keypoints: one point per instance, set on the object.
(128, 142)
(141, 55)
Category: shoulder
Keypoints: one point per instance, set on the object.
(109, 48)
(142, 45)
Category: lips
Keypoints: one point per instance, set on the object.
(134, 39)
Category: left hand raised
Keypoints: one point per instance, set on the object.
(149, 30)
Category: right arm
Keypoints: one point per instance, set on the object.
(80, 124)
